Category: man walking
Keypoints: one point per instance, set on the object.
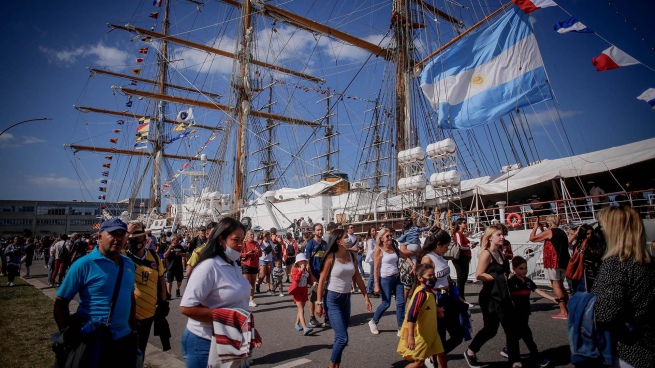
(104, 280)
(62, 259)
(149, 282)
(314, 251)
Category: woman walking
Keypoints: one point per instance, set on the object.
(370, 250)
(265, 262)
(338, 269)
(387, 279)
(495, 300)
(624, 288)
(216, 282)
(250, 263)
(465, 246)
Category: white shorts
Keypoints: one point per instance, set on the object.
(555, 274)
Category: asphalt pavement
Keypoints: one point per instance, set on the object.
(283, 346)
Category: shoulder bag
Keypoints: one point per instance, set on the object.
(575, 268)
(452, 253)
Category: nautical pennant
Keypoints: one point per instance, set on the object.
(154, 15)
(180, 127)
(139, 60)
(157, 3)
(528, 6)
(105, 173)
(487, 75)
(133, 82)
(143, 50)
(571, 25)
(648, 96)
(136, 71)
(103, 181)
(107, 165)
(613, 58)
(144, 120)
(128, 104)
(113, 140)
(117, 130)
(141, 145)
(120, 122)
(109, 157)
(185, 116)
(103, 198)
(146, 39)
(103, 189)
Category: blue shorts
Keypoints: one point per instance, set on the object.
(264, 263)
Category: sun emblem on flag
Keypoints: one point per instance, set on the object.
(478, 80)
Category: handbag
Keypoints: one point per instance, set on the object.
(405, 271)
(575, 268)
(73, 347)
(452, 253)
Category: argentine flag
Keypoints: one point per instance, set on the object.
(571, 25)
(487, 75)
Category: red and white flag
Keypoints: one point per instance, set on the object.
(528, 6)
(613, 58)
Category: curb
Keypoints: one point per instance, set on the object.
(155, 356)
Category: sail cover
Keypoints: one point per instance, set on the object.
(487, 75)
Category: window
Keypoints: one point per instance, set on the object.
(16, 222)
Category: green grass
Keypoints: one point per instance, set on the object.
(26, 323)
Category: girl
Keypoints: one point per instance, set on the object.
(289, 251)
(418, 340)
(410, 244)
(496, 306)
(338, 268)
(250, 263)
(300, 278)
(265, 262)
(448, 303)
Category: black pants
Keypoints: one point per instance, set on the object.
(490, 328)
(143, 327)
(450, 323)
(462, 269)
(12, 271)
(119, 353)
(523, 332)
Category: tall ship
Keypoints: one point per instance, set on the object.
(358, 112)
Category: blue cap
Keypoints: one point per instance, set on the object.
(113, 225)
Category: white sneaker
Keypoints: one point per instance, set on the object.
(374, 327)
(252, 303)
(281, 294)
(11, 284)
(398, 334)
(8, 283)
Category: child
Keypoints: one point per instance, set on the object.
(419, 339)
(520, 288)
(278, 274)
(300, 277)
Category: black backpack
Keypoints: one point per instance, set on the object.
(291, 250)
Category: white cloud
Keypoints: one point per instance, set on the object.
(30, 140)
(51, 181)
(8, 140)
(105, 56)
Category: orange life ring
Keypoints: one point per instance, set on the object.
(511, 220)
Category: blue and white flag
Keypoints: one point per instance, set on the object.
(487, 75)
(648, 96)
(571, 25)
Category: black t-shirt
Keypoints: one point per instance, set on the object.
(561, 244)
(79, 248)
(520, 291)
(175, 261)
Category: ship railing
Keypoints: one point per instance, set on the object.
(532, 252)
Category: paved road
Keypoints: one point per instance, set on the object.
(283, 346)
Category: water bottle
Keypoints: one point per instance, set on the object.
(91, 325)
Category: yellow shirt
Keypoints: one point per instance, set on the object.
(194, 257)
(146, 277)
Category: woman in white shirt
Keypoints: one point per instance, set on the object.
(216, 282)
(370, 249)
(265, 262)
(338, 267)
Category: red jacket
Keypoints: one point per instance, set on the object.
(251, 260)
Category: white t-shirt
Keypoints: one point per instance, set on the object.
(370, 244)
(341, 276)
(266, 257)
(441, 270)
(214, 283)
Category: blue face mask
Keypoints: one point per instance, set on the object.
(430, 283)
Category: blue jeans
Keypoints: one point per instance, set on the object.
(391, 285)
(370, 284)
(359, 264)
(338, 311)
(195, 350)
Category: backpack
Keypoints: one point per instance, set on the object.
(291, 250)
(590, 346)
(65, 253)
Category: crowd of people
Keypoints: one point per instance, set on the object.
(124, 277)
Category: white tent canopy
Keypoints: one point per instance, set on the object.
(568, 167)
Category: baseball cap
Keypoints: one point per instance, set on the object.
(113, 225)
(135, 229)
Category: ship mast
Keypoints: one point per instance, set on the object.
(158, 141)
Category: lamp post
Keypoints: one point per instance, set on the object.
(21, 122)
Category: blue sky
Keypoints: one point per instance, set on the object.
(49, 44)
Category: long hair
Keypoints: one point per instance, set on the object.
(250, 236)
(332, 245)
(378, 238)
(456, 226)
(582, 235)
(225, 227)
(407, 224)
(368, 234)
(488, 232)
(441, 237)
(624, 233)
(420, 270)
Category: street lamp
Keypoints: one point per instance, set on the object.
(21, 122)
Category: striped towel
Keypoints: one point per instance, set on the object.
(234, 338)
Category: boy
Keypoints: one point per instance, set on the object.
(520, 288)
(278, 274)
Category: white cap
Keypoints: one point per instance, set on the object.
(300, 257)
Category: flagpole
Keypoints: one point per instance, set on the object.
(21, 122)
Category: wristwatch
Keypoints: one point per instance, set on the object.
(319, 303)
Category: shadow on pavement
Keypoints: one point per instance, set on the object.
(284, 355)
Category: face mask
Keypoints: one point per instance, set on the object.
(431, 282)
(134, 245)
(232, 254)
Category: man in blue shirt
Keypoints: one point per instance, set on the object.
(314, 250)
(94, 278)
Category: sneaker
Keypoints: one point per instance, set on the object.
(11, 284)
(504, 352)
(50, 284)
(298, 327)
(281, 294)
(307, 331)
(257, 288)
(398, 334)
(313, 322)
(374, 327)
(471, 360)
(542, 362)
(8, 283)
(326, 324)
(177, 293)
(252, 303)
(560, 316)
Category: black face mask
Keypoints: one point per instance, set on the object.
(134, 245)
